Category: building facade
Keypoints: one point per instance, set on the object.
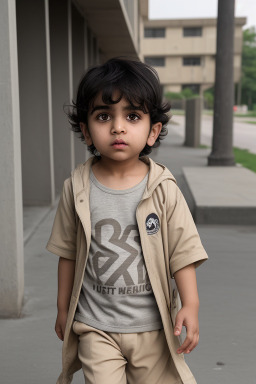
(183, 51)
(45, 47)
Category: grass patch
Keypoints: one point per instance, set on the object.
(242, 156)
(177, 112)
(208, 112)
(248, 114)
(250, 122)
(246, 158)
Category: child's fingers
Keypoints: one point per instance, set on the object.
(177, 329)
(193, 344)
(185, 345)
(178, 325)
(192, 337)
(59, 333)
(189, 343)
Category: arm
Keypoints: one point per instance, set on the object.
(66, 272)
(188, 315)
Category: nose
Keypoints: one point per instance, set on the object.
(118, 126)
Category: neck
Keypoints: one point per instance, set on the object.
(118, 168)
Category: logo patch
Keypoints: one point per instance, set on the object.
(152, 224)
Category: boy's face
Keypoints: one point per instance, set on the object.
(119, 131)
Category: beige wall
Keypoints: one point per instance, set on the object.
(11, 226)
(175, 44)
(174, 47)
(175, 73)
(55, 41)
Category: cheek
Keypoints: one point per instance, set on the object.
(98, 138)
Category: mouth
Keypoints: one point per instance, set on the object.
(118, 143)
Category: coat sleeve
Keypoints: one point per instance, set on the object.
(62, 241)
(184, 243)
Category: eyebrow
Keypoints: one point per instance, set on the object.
(108, 107)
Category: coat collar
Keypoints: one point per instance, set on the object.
(157, 174)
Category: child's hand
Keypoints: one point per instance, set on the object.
(187, 316)
(60, 324)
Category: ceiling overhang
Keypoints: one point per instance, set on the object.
(109, 22)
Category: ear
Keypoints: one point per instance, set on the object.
(154, 133)
(85, 133)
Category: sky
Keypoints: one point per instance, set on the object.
(181, 9)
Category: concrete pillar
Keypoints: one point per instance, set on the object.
(86, 58)
(97, 53)
(78, 46)
(90, 48)
(11, 225)
(35, 102)
(70, 77)
(60, 90)
(222, 140)
(193, 122)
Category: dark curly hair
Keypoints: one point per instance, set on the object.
(137, 82)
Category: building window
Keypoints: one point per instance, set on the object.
(155, 61)
(192, 31)
(194, 88)
(154, 32)
(191, 61)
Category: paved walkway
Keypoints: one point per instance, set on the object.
(31, 353)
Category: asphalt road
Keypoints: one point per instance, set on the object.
(244, 133)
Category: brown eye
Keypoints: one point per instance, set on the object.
(133, 117)
(103, 117)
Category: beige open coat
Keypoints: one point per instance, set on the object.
(174, 245)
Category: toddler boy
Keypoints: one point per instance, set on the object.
(122, 231)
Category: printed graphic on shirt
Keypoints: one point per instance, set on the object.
(152, 224)
(117, 265)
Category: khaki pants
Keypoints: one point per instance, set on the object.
(121, 358)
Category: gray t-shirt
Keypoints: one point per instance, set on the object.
(116, 294)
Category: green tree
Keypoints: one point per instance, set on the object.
(209, 98)
(186, 93)
(249, 68)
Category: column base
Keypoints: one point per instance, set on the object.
(214, 160)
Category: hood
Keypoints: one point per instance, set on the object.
(157, 174)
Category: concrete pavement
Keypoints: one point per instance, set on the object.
(222, 195)
(219, 195)
(30, 352)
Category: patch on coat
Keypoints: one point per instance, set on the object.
(152, 224)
